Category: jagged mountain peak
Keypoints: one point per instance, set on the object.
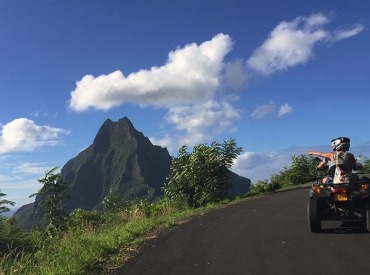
(112, 134)
(121, 158)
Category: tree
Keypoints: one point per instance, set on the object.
(302, 170)
(3, 203)
(53, 195)
(264, 186)
(366, 166)
(202, 176)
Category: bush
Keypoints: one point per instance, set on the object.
(301, 171)
(84, 219)
(201, 177)
(11, 235)
(263, 186)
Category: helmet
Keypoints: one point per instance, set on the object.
(340, 143)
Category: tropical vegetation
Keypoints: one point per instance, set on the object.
(96, 242)
(201, 177)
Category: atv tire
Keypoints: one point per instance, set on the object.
(313, 215)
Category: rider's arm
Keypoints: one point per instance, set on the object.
(321, 154)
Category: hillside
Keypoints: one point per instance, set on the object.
(120, 159)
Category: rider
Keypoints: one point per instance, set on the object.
(343, 161)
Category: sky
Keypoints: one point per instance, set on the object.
(278, 76)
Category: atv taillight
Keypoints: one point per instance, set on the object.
(316, 189)
(339, 190)
(364, 187)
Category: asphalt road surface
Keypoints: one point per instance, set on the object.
(268, 235)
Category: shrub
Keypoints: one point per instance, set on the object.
(201, 177)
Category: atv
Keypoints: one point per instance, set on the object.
(345, 202)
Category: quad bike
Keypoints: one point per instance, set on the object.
(339, 202)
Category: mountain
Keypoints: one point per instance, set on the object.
(120, 159)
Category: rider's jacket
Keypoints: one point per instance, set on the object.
(343, 169)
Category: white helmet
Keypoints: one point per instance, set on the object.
(341, 143)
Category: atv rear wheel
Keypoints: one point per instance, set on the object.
(313, 215)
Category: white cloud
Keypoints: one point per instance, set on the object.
(194, 124)
(20, 179)
(344, 34)
(165, 141)
(285, 109)
(191, 74)
(261, 165)
(38, 113)
(262, 110)
(292, 43)
(19, 189)
(187, 86)
(23, 134)
(31, 168)
(197, 85)
(198, 123)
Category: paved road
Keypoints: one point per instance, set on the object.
(268, 235)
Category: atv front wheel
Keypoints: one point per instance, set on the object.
(313, 215)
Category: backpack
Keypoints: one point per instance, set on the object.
(343, 171)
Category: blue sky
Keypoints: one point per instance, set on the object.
(280, 77)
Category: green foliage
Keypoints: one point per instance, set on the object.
(93, 240)
(53, 195)
(9, 231)
(366, 166)
(3, 204)
(11, 235)
(201, 177)
(139, 208)
(113, 201)
(263, 186)
(301, 170)
(80, 218)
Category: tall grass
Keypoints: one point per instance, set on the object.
(94, 242)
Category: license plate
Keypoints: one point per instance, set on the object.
(340, 197)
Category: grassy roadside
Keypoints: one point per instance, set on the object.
(94, 243)
(177, 218)
(98, 243)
